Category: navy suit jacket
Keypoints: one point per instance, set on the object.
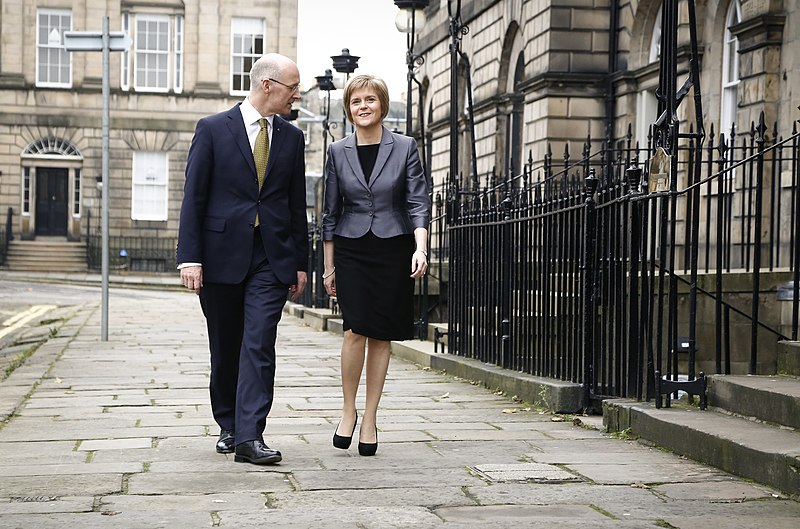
(394, 202)
(221, 198)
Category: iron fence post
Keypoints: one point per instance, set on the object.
(760, 139)
(635, 354)
(587, 267)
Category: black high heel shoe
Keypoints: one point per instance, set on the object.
(369, 449)
(340, 441)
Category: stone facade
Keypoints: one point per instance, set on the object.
(49, 134)
(540, 72)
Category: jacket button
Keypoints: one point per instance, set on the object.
(258, 202)
(370, 213)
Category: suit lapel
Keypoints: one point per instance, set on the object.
(351, 155)
(387, 142)
(236, 127)
(278, 134)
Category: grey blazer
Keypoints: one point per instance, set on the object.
(395, 202)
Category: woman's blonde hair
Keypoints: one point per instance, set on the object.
(369, 82)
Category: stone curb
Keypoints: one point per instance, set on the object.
(553, 395)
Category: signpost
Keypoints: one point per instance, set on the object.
(106, 42)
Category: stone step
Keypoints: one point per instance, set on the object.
(788, 361)
(774, 399)
(762, 452)
(46, 256)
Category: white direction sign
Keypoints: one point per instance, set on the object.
(93, 41)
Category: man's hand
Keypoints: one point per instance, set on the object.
(297, 289)
(192, 278)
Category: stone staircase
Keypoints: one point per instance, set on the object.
(46, 255)
(751, 428)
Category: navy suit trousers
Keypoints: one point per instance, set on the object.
(242, 322)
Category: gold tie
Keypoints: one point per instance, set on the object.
(261, 154)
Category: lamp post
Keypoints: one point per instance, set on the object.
(325, 84)
(105, 42)
(346, 64)
(410, 20)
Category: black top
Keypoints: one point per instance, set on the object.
(367, 154)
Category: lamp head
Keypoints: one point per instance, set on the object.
(345, 63)
(325, 82)
(411, 16)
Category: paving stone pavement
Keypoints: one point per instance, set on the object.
(119, 434)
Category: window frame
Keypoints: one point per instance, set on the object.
(729, 85)
(137, 85)
(40, 46)
(244, 22)
(137, 183)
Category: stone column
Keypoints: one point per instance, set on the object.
(760, 37)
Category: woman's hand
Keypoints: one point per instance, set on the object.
(329, 281)
(419, 264)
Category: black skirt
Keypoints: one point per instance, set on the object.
(373, 285)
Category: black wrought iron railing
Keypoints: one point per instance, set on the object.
(133, 253)
(6, 236)
(595, 272)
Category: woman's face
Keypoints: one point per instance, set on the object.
(365, 107)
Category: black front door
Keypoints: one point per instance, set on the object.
(51, 201)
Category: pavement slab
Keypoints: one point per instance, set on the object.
(125, 439)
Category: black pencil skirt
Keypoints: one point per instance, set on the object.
(373, 285)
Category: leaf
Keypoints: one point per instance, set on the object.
(445, 396)
(510, 410)
(556, 418)
(639, 485)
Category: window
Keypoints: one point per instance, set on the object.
(177, 84)
(158, 51)
(149, 193)
(26, 191)
(76, 193)
(151, 59)
(646, 114)
(655, 41)
(730, 69)
(247, 45)
(125, 67)
(53, 64)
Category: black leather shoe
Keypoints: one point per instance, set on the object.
(225, 443)
(340, 441)
(256, 452)
(369, 449)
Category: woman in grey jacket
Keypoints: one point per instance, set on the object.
(375, 228)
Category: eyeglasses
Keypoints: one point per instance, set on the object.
(292, 87)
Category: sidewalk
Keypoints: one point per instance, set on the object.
(119, 434)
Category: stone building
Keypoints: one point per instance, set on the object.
(555, 71)
(188, 59)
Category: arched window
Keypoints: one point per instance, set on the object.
(517, 117)
(655, 40)
(730, 68)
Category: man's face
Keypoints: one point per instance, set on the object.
(282, 91)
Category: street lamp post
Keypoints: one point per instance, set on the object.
(346, 64)
(105, 42)
(410, 20)
(325, 84)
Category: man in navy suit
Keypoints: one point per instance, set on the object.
(242, 244)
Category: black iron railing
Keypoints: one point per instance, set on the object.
(6, 236)
(133, 253)
(587, 273)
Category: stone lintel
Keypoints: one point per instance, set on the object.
(759, 32)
